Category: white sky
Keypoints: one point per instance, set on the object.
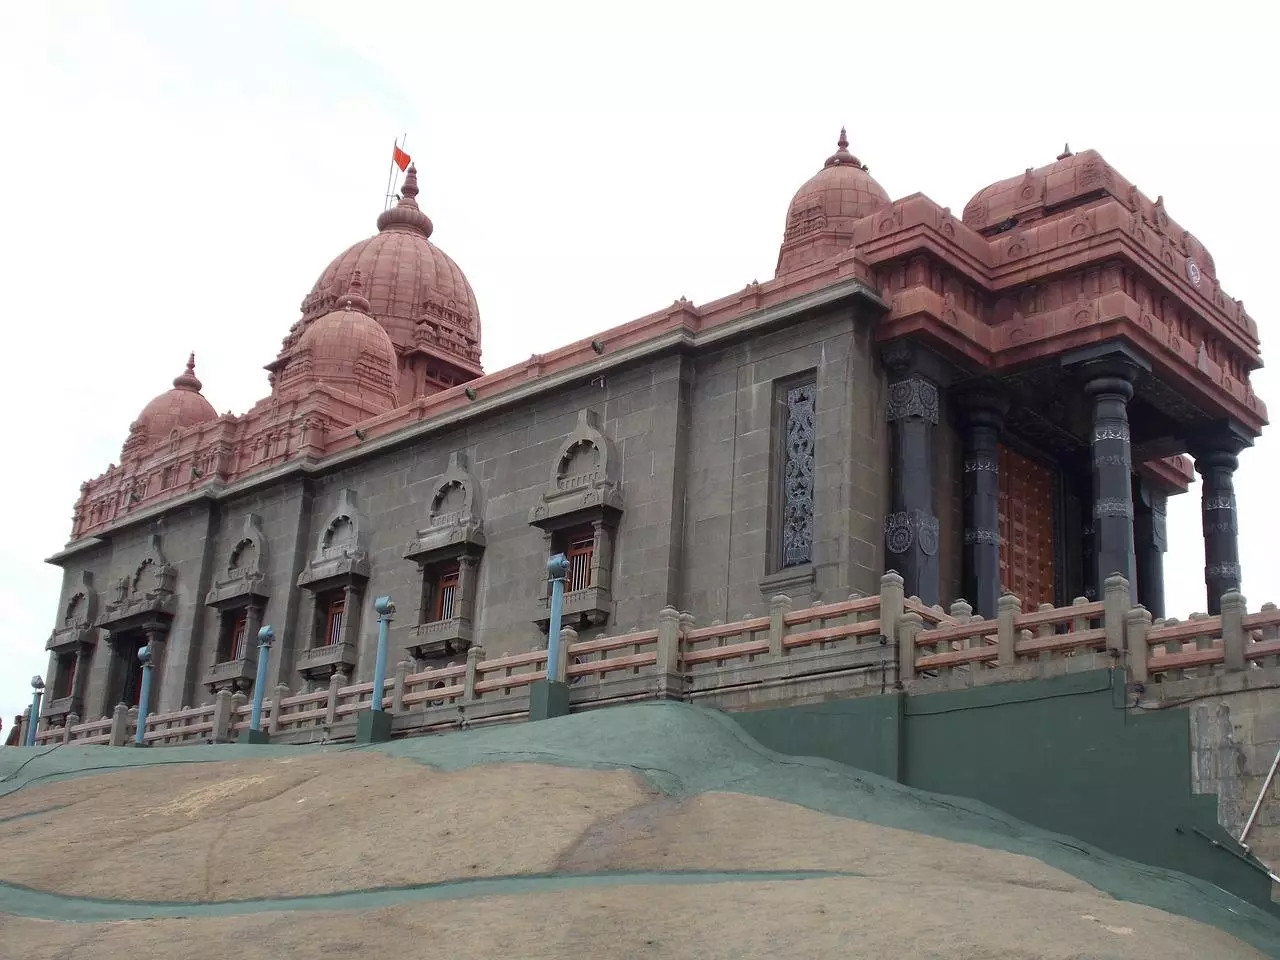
(175, 175)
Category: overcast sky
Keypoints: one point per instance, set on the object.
(175, 175)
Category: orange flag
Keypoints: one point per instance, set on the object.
(401, 159)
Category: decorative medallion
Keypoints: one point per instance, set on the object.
(928, 534)
(898, 534)
(1193, 272)
(913, 397)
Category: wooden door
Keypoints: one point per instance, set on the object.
(1026, 529)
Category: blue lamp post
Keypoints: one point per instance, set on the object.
(385, 610)
(265, 637)
(37, 691)
(557, 571)
(374, 725)
(144, 698)
(549, 697)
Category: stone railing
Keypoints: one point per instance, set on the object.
(961, 649)
(853, 646)
(1232, 641)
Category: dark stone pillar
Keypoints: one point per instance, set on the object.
(1216, 452)
(1151, 542)
(1109, 382)
(983, 412)
(911, 528)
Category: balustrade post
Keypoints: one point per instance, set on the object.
(1116, 602)
(909, 627)
(72, 720)
(222, 720)
(331, 708)
(1007, 609)
(273, 724)
(891, 604)
(397, 689)
(669, 679)
(119, 725)
(1234, 636)
(1137, 624)
(474, 653)
(779, 607)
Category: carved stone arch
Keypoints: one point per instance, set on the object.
(79, 614)
(586, 441)
(242, 579)
(342, 531)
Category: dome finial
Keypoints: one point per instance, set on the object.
(410, 186)
(187, 380)
(354, 298)
(842, 157)
(405, 215)
(1066, 152)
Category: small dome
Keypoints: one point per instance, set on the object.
(347, 349)
(183, 406)
(822, 213)
(409, 282)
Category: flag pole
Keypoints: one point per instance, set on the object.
(391, 172)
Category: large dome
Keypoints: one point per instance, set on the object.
(414, 289)
(822, 213)
(183, 406)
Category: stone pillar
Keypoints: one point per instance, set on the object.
(983, 417)
(911, 528)
(1216, 452)
(468, 581)
(1108, 381)
(1150, 541)
(252, 623)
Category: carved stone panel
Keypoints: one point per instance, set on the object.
(453, 523)
(584, 480)
(339, 557)
(798, 475)
(243, 576)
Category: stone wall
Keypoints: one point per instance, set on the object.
(1235, 735)
(694, 435)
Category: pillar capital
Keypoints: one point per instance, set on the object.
(982, 404)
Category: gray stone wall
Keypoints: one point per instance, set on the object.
(1235, 735)
(696, 435)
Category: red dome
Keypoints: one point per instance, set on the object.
(175, 409)
(410, 283)
(347, 349)
(822, 213)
